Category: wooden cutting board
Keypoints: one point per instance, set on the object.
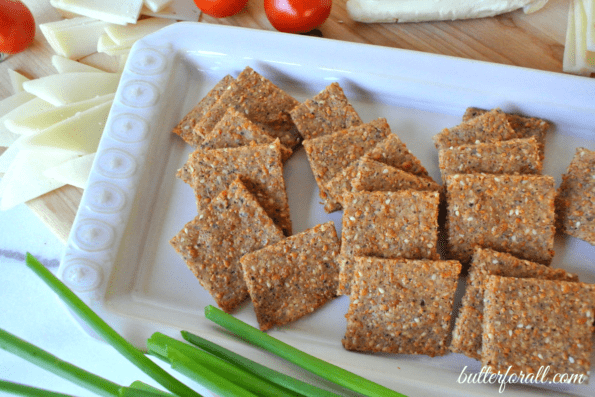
(534, 41)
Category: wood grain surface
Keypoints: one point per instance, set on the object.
(534, 41)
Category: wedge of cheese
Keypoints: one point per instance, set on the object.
(434, 10)
(73, 172)
(156, 5)
(67, 65)
(577, 58)
(16, 80)
(129, 34)
(113, 11)
(74, 38)
(29, 109)
(7, 105)
(590, 29)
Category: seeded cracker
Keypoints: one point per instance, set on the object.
(515, 156)
(329, 154)
(293, 277)
(401, 224)
(212, 244)
(533, 324)
(185, 128)
(261, 101)
(576, 197)
(210, 171)
(491, 126)
(401, 306)
(509, 213)
(467, 334)
(391, 151)
(375, 176)
(327, 112)
(235, 130)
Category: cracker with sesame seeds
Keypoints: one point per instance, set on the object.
(185, 129)
(235, 130)
(508, 213)
(329, 154)
(401, 306)
(232, 225)
(327, 112)
(491, 126)
(261, 101)
(525, 126)
(373, 175)
(293, 277)
(211, 171)
(401, 224)
(575, 204)
(532, 324)
(391, 151)
(467, 333)
(514, 156)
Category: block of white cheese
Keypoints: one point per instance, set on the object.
(67, 65)
(80, 86)
(113, 11)
(434, 10)
(74, 38)
(73, 172)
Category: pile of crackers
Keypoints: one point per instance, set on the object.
(400, 276)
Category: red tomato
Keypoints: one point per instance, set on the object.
(220, 8)
(17, 26)
(297, 16)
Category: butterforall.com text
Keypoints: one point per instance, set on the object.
(543, 376)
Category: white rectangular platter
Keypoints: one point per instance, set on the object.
(118, 257)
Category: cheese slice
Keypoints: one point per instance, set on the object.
(113, 11)
(9, 155)
(66, 65)
(24, 180)
(73, 172)
(156, 5)
(434, 10)
(33, 120)
(74, 38)
(108, 46)
(63, 88)
(181, 10)
(80, 133)
(590, 29)
(577, 59)
(16, 80)
(129, 34)
(7, 105)
(28, 109)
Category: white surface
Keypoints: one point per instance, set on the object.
(149, 285)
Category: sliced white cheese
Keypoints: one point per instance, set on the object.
(590, 30)
(74, 38)
(156, 5)
(40, 119)
(102, 61)
(434, 10)
(584, 59)
(73, 172)
(16, 80)
(80, 85)
(28, 109)
(129, 34)
(67, 65)
(80, 133)
(180, 10)
(24, 180)
(108, 46)
(113, 11)
(9, 155)
(7, 105)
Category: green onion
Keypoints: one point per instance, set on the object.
(245, 379)
(313, 364)
(260, 370)
(135, 392)
(130, 352)
(205, 376)
(28, 391)
(137, 384)
(48, 361)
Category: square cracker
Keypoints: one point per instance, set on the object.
(329, 154)
(532, 324)
(232, 225)
(576, 197)
(235, 130)
(327, 112)
(491, 126)
(467, 333)
(401, 224)
(401, 306)
(210, 171)
(293, 277)
(509, 213)
(514, 156)
(185, 129)
(261, 101)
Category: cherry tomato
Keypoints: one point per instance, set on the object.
(17, 26)
(220, 8)
(297, 16)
